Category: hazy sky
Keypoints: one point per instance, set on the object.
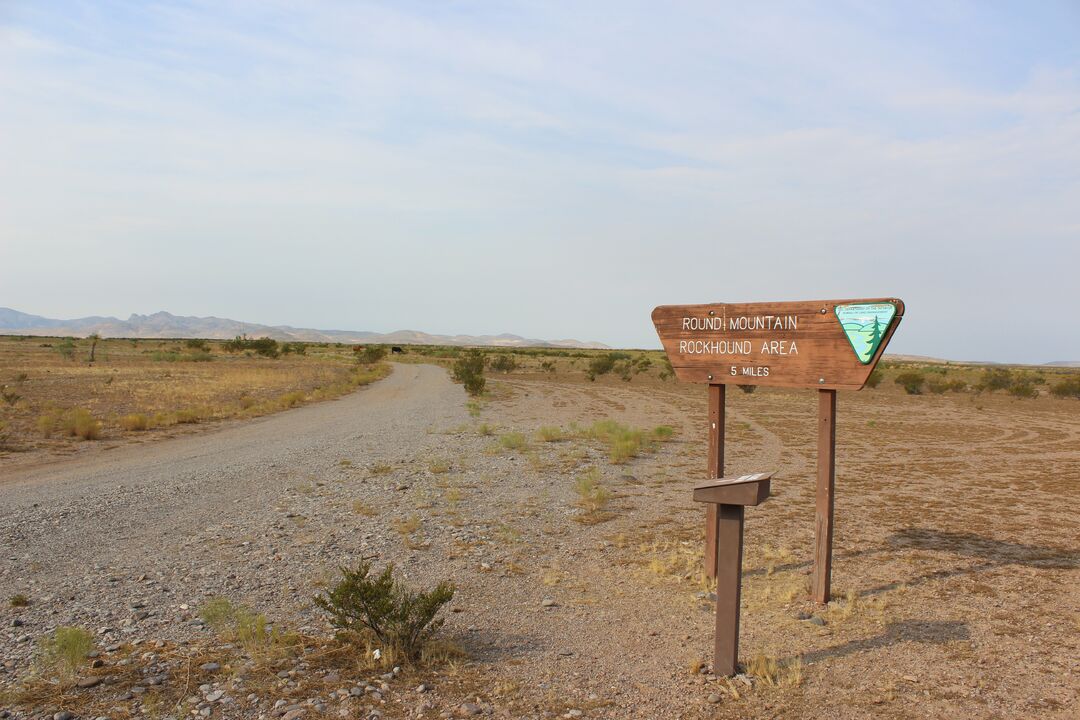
(548, 169)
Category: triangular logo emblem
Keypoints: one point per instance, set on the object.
(865, 326)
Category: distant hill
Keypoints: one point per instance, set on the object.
(167, 325)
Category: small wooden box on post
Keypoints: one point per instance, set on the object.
(827, 345)
(729, 496)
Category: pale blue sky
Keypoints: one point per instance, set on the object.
(549, 169)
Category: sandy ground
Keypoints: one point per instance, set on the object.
(955, 574)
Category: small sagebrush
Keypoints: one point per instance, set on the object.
(402, 619)
(18, 601)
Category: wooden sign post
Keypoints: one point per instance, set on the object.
(827, 345)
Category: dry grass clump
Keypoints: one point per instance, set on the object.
(65, 650)
(362, 508)
(76, 422)
(513, 441)
(678, 560)
(134, 422)
(19, 601)
(551, 433)
(437, 466)
(593, 497)
(625, 443)
(774, 672)
(381, 469)
(244, 627)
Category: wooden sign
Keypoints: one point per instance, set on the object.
(825, 344)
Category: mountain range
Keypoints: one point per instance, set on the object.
(167, 325)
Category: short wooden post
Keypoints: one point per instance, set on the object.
(826, 479)
(728, 589)
(717, 397)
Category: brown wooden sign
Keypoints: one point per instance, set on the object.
(826, 344)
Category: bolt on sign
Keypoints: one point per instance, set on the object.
(827, 345)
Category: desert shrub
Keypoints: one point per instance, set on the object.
(197, 344)
(66, 348)
(957, 385)
(668, 371)
(135, 421)
(995, 379)
(401, 618)
(9, 396)
(370, 354)
(19, 601)
(469, 371)
(265, 346)
(624, 370)
(911, 381)
(748, 388)
(1067, 388)
(547, 366)
(938, 387)
(875, 378)
(601, 365)
(65, 649)
(504, 363)
(1023, 389)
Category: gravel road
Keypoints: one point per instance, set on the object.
(176, 520)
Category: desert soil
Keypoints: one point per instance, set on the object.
(956, 567)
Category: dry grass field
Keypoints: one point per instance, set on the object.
(53, 399)
(560, 507)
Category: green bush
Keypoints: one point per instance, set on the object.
(504, 363)
(400, 618)
(748, 388)
(938, 387)
(469, 371)
(875, 378)
(197, 344)
(265, 346)
(911, 381)
(1023, 389)
(66, 348)
(370, 354)
(995, 379)
(602, 365)
(1067, 388)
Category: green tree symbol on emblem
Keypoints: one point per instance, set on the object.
(875, 337)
